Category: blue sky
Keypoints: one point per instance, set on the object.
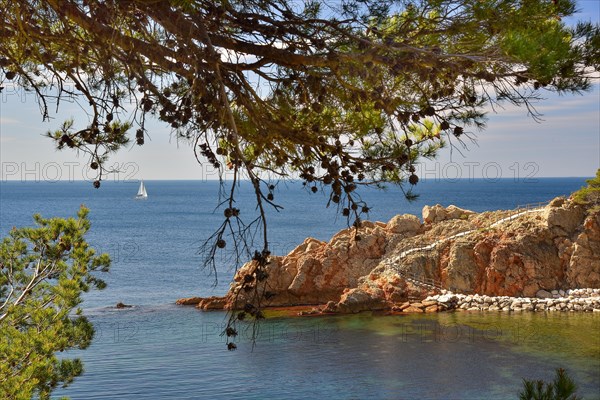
(565, 143)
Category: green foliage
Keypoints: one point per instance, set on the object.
(589, 195)
(561, 388)
(43, 272)
(280, 86)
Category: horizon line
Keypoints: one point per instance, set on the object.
(422, 180)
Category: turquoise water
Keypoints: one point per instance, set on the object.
(177, 353)
(160, 351)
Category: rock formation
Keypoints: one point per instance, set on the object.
(383, 265)
(438, 213)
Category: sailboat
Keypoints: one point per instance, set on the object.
(141, 194)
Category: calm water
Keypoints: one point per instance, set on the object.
(160, 351)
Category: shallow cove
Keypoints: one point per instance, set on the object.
(168, 352)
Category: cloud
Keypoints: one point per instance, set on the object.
(6, 139)
(4, 120)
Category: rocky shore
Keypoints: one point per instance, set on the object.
(528, 259)
(571, 300)
(587, 300)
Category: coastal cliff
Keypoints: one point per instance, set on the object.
(519, 253)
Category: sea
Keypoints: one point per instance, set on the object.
(158, 350)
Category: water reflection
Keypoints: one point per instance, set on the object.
(169, 352)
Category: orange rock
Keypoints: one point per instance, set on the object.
(189, 301)
(212, 303)
(556, 248)
(412, 309)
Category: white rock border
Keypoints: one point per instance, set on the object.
(582, 300)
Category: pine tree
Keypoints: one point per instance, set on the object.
(43, 272)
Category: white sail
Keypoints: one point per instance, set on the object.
(141, 192)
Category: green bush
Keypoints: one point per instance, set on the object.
(589, 195)
(43, 272)
(562, 388)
